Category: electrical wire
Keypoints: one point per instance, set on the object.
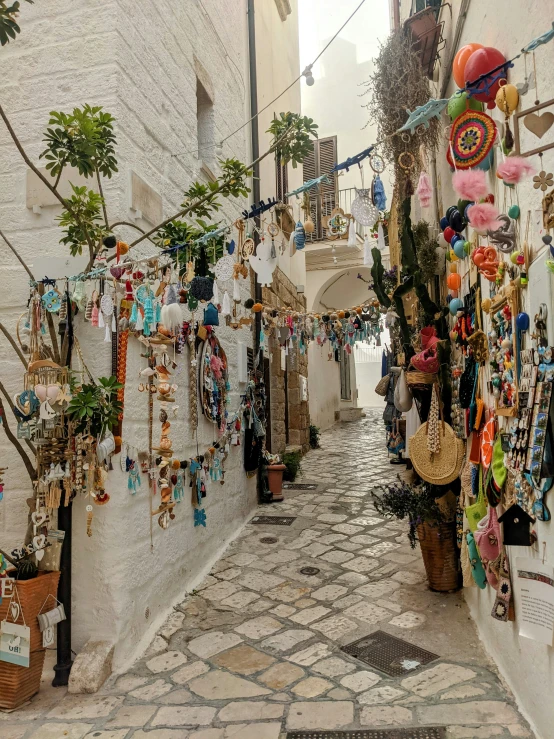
(219, 143)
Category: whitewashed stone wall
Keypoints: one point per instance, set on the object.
(526, 665)
(140, 61)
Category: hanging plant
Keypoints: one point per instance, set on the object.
(426, 251)
(397, 85)
(95, 408)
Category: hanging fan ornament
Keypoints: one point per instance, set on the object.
(363, 209)
(107, 312)
(471, 140)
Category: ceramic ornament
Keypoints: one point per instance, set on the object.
(504, 237)
(363, 209)
(263, 265)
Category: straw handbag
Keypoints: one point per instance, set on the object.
(436, 452)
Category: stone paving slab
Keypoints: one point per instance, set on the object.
(255, 650)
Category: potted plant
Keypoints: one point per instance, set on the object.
(275, 470)
(431, 521)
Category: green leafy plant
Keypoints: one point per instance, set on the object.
(83, 139)
(292, 137)
(293, 463)
(95, 408)
(82, 220)
(315, 433)
(179, 232)
(426, 250)
(8, 25)
(414, 503)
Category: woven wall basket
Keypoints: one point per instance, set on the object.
(441, 467)
(440, 556)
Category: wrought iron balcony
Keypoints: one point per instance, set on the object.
(322, 206)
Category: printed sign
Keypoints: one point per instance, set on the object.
(15, 643)
(534, 600)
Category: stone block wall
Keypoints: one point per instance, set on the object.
(282, 293)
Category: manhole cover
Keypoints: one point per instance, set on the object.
(309, 571)
(299, 486)
(268, 540)
(429, 732)
(274, 520)
(393, 656)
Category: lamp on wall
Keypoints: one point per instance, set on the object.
(307, 73)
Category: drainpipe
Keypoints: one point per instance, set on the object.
(62, 668)
(255, 144)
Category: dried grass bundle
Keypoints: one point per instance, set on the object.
(398, 84)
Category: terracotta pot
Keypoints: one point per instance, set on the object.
(275, 480)
(440, 556)
(18, 684)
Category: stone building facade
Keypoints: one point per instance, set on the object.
(289, 412)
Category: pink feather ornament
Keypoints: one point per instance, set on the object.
(217, 365)
(514, 169)
(470, 184)
(483, 217)
(424, 190)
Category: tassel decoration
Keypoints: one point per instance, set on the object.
(108, 334)
(381, 245)
(236, 291)
(424, 190)
(368, 259)
(215, 296)
(139, 324)
(101, 322)
(352, 233)
(226, 307)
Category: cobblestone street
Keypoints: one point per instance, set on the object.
(255, 651)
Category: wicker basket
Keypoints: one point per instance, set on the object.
(415, 378)
(18, 684)
(440, 556)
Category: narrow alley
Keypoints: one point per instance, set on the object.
(257, 650)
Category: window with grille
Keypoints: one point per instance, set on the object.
(323, 199)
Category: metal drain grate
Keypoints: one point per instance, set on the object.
(299, 486)
(393, 656)
(274, 520)
(309, 571)
(429, 732)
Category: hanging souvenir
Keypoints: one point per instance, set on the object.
(377, 163)
(378, 193)
(264, 264)
(299, 236)
(363, 210)
(107, 311)
(52, 301)
(471, 140)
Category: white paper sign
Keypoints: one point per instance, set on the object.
(534, 591)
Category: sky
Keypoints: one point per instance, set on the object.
(335, 101)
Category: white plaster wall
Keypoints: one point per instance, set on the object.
(277, 58)
(527, 665)
(324, 386)
(136, 59)
(368, 375)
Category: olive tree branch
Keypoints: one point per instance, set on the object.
(17, 444)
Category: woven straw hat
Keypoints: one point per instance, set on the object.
(443, 466)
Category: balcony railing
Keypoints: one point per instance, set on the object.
(323, 204)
